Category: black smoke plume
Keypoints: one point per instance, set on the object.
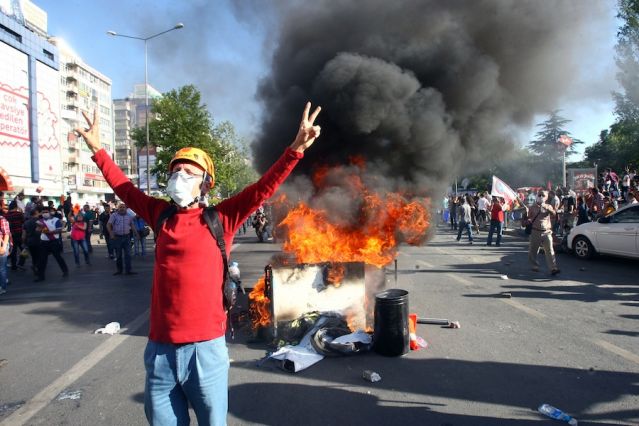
(422, 90)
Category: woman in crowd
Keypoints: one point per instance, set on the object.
(78, 238)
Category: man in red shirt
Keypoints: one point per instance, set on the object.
(186, 357)
(15, 217)
(496, 221)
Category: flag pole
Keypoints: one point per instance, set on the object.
(564, 169)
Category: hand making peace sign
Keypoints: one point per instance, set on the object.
(307, 132)
(91, 134)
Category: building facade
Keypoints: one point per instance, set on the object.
(30, 145)
(82, 89)
(129, 114)
(44, 87)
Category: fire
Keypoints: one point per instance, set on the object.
(384, 222)
(260, 305)
(378, 222)
(335, 274)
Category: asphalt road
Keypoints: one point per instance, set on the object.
(570, 341)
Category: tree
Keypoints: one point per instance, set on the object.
(184, 121)
(546, 145)
(619, 146)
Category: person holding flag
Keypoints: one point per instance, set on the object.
(496, 221)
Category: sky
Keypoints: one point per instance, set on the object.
(225, 49)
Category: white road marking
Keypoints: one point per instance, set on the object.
(426, 264)
(48, 394)
(524, 308)
(617, 350)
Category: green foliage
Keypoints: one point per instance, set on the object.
(182, 120)
(619, 146)
(545, 145)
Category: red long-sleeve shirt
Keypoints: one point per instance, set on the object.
(186, 297)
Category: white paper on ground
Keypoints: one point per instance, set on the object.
(111, 328)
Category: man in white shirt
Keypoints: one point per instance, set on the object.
(465, 220)
(483, 205)
(50, 242)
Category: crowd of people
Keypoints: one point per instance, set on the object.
(546, 215)
(38, 229)
(470, 213)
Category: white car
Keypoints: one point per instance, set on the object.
(616, 234)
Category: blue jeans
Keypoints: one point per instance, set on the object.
(495, 226)
(195, 373)
(4, 276)
(140, 245)
(122, 248)
(76, 251)
(465, 226)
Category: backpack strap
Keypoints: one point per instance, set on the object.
(212, 219)
(164, 216)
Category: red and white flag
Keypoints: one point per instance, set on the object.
(565, 140)
(500, 189)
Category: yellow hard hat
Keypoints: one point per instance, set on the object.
(197, 156)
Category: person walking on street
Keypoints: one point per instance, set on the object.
(140, 241)
(78, 240)
(104, 231)
(50, 228)
(465, 219)
(5, 247)
(89, 219)
(15, 217)
(454, 212)
(31, 237)
(539, 215)
(483, 206)
(67, 206)
(188, 318)
(120, 226)
(496, 221)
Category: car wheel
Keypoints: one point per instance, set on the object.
(582, 248)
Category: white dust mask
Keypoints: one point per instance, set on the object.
(180, 188)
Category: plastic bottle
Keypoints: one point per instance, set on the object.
(557, 414)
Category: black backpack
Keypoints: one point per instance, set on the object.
(212, 219)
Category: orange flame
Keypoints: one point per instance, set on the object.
(379, 224)
(335, 275)
(383, 223)
(260, 305)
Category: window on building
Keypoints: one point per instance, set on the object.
(48, 54)
(14, 35)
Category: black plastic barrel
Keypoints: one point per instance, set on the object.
(390, 336)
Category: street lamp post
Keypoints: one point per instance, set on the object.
(146, 93)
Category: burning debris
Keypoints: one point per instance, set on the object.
(326, 249)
